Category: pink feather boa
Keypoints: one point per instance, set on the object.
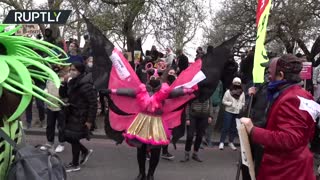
(149, 103)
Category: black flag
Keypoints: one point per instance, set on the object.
(212, 66)
(101, 49)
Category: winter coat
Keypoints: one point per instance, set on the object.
(182, 62)
(199, 109)
(82, 100)
(316, 75)
(170, 58)
(54, 91)
(232, 104)
(286, 137)
(260, 106)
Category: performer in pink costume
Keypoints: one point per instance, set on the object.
(153, 109)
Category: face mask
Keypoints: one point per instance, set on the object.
(154, 83)
(171, 78)
(90, 65)
(74, 74)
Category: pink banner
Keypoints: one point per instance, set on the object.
(306, 70)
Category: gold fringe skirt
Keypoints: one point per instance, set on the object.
(147, 129)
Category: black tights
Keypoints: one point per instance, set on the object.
(154, 159)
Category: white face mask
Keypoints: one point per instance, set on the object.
(90, 65)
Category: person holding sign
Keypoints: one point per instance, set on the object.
(290, 124)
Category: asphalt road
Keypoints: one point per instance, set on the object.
(111, 162)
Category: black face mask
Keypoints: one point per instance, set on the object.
(154, 83)
(171, 78)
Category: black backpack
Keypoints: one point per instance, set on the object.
(31, 163)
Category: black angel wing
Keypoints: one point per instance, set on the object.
(212, 66)
(101, 49)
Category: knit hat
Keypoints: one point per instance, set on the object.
(289, 63)
(236, 81)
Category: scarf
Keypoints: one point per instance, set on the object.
(236, 93)
(274, 88)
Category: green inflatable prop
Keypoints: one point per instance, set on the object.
(20, 63)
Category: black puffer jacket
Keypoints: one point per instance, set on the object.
(83, 102)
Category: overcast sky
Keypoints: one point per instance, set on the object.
(190, 47)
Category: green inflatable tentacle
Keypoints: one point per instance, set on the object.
(19, 66)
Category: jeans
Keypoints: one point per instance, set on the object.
(52, 118)
(41, 110)
(229, 127)
(210, 128)
(198, 126)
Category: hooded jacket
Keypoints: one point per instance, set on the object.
(82, 99)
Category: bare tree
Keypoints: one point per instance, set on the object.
(291, 22)
(175, 22)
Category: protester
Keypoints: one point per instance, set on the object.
(198, 115)
(89, 64)
(181, 62)
(216, 99)
(169, 57)
(40, 106)
(171, 77)
(48, 36)
(258, 113)
(200, 52)
(229, 73)
(316, 83)
(290, 124)
(80, 113)
(234, 101)
(154, 53)
(54, 114)
(73, 53)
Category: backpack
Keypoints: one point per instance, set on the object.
(31, 163)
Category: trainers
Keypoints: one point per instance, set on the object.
(28, 125)
(221, 146)
(186, 157)
(167, 156)
(141, 177)
(196, 157)
(208, 143)
(60, 148)
(72, 168)
(43, 124)
(231, 145)
(148, 156)
(46, 147)
(85, 157)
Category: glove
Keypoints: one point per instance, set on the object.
(105, 91)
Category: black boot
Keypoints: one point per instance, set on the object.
(186, 157)
(150, 177)
(141, 177)
(196, 157)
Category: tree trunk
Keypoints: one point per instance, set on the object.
(54, 5)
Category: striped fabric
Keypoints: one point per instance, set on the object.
(199, 109)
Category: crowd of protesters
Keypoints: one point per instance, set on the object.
(231, 97)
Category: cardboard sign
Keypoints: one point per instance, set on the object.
(129, 56)
(137, 55)
(306, 70)
(29, 29)
(246, 154)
